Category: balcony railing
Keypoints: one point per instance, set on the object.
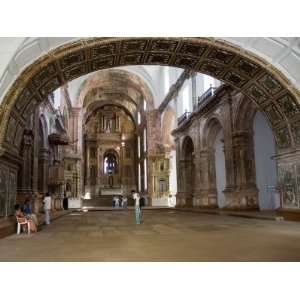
(183, 117)
(203, 99)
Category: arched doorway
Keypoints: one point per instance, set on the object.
(110, 166)
(265, 166)
(220, 168)
(110, 161)
(188, 170)
(214, 145)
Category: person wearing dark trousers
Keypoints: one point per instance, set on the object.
(142, 204)
(136, 198)
(65, 202)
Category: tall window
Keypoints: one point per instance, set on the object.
(110, 164)
(139, 117)
(145, 105)
(186, 98)
(139, 147)
(145, 140)
(139, 177)
(166, 79)
(145, 174)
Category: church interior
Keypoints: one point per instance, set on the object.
(206, 130)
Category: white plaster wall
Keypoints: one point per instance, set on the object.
(266, 171)
(220, 168)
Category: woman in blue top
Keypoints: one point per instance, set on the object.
(28, 212)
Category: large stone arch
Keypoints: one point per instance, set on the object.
(187, 170)
(247, 73)
(244, 115)
(211, 129)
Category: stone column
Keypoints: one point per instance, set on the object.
(44, 156)
(35, 166)
(207, 192)
(194, 91)
(245, 194)
(26, 175)
(228, 146)
(197, 180)
(181, 195)
(88, 173)
(153, 131)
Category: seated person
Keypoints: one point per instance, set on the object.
(19, 214)
(28, 212)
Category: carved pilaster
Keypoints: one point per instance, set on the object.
(207, 194)
(26, 172)
(44, 155)
(245, 194)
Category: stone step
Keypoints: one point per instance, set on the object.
(100, 201)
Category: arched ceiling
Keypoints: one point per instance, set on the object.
(114, 81)
(17, 53)
(255, 77)
(95, 98)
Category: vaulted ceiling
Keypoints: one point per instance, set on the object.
(275, 94)
(17, 53)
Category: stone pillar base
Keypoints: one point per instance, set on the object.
(184, 200)
(289, 214)
(246, 199)
(205, 199)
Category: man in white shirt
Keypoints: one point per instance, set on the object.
(47, 208)
(116, 201)
(124, 202)
(136, 198)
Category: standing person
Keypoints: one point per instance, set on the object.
(136, 198)
(142, 204)
(124, 202)
(47, 208)
(65, 202)
(116, 201)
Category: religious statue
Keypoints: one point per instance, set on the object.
(108, 125)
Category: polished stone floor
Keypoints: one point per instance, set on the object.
(164, 235)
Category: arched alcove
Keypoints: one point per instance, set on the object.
(265, 166)
(188, 169)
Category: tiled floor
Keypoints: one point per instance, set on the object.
(163, 236)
